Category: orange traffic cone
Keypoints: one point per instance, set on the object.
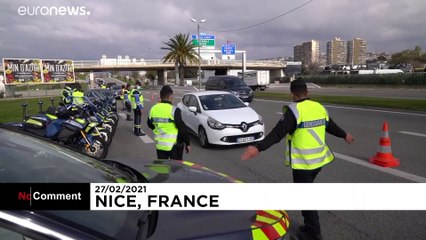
(159, 99)
(152, 97)
(384, 155)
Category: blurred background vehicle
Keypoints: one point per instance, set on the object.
(232, 84)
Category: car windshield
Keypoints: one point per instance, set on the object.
(235, 82)
(29, 159)
(220, 102)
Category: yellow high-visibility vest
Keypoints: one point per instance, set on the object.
(134, 100)
(78, 97)
(162, 116)
(306, 149)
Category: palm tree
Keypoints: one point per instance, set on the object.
(181, 51)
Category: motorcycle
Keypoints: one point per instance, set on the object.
(60, 127)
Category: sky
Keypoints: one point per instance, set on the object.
(140, 28)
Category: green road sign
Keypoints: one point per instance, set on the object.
(204, 42)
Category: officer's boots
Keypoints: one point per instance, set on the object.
(141, 133)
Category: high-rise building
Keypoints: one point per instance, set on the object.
(298, 53)
(336, 53)
(307, 52)
(357, 50)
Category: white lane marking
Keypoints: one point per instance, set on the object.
(279, 113)
(413, 133)
(146, 139)
(391, 171)
(351, 108)
(122, 115)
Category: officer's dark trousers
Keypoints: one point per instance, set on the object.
(175, 154)
(311, 218)
(128, 110)
(138, 119)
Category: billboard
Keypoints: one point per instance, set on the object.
(58, 71)
(22, 71)
(37, 71)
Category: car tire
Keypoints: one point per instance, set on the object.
(202, 136)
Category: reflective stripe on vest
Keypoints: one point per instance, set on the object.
(306, 148)
(162, 116)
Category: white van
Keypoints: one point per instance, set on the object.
(256, 79)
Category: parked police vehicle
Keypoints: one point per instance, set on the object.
(232, 84)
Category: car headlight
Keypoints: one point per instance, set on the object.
(215, 124)
(260, 121)
(250, 91)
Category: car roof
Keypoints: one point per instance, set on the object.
(206, 93)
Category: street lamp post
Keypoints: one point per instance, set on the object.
(199, 55)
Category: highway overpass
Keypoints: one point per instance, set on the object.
(220, 66)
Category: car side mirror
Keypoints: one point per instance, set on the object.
(193, 109)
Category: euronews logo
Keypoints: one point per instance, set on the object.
(53, 11)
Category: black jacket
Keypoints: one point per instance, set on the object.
(183, 135)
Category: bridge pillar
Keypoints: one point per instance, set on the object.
(162, 75)
(276, 74)
(92, 83)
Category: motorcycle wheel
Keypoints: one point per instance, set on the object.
(98, 149)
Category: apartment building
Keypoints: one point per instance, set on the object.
(357, 52)
(307, 52)
(336, 52)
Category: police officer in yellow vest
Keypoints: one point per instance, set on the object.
(77, 96)
(125, 97)
(136, 99)
(306, 122)
(171, 135)
(66, 95)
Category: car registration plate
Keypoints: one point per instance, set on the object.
(245, 139)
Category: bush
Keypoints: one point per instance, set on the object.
(374, 79)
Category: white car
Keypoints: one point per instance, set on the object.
(221, 118)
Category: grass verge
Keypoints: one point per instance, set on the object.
(11, 109)
(392, 103)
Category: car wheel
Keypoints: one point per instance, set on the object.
(204, 142)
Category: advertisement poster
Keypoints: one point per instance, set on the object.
(58, 71)
(22, 71)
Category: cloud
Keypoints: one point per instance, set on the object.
(139, 28)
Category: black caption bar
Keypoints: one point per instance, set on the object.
(45, 196)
